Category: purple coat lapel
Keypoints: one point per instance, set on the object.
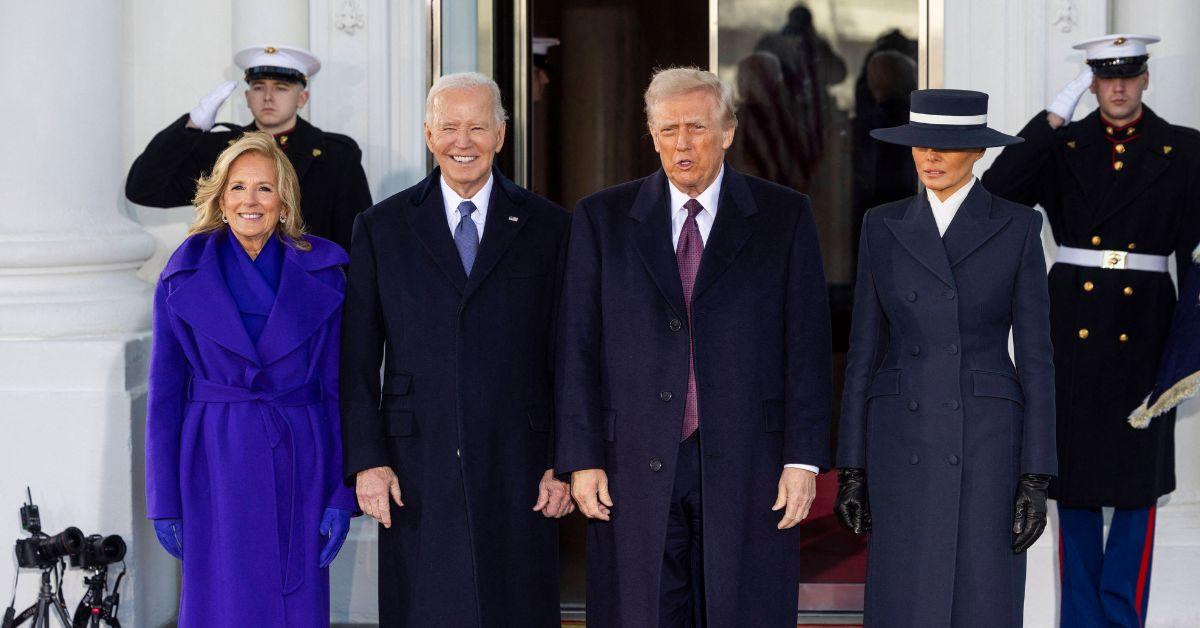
(302, 304)
(203, 300)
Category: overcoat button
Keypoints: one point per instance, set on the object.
(675, 324)
(665, 395)
(655, 464)
(952, 404)
(949, 294)
(915, 350)
(1088, 286)
(1128, 291)
(952, 349)
(1083, 334)
(913, 405)
(1123, 337)
(911, 296)
(914, 459)
(1095, 240)
(953, 460)
(458, 453)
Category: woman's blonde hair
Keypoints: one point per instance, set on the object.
(211, 186)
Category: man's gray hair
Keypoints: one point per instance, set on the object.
(673, 82)
(464, 80)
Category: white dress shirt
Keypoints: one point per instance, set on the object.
(451, 199)
(708, 199)
(943, 211)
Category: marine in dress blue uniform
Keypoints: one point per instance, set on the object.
(332, 181)
(1119, 188)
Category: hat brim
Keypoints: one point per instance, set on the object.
(947, 137)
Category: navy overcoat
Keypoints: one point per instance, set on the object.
(465, 411)
(936, 412)
(762, 360)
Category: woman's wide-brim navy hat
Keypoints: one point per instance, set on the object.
(946, 118)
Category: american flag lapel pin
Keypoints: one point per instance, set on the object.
(512, 219)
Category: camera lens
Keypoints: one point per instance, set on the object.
(106, 549)
(69, 542)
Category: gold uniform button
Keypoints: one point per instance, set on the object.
(316, 152)
(1095, 240)
(1131, 130)
(1120, 148)
(1083, 334)
(1109, 130)
(1123, 337)
(1088, 286)
(1128, 291)
(1117, 165)
(1132, 246)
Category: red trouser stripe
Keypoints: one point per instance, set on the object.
(1144, 569)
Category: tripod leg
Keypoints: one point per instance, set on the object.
(61, 611)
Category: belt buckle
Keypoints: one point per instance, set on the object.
(1114, 260)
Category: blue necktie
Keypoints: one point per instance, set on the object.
(466, 236)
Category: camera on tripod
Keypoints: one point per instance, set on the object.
(47, 553)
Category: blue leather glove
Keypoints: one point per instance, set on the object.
(170, 535)
(335, 524)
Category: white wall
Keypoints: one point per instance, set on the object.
(1019, 52)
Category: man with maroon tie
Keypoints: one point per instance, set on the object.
(693, 377)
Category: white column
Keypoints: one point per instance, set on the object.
(1174, 94)
(73, 314)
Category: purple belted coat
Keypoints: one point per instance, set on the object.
(243, 438)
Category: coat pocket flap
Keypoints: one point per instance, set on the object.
(397, 384)
(399, 423)
(884, 383)
(994, 384)
(539, 418)
(773, 411)
(610, 425)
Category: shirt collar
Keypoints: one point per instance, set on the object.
(954, 201)
(481, 198)
(707, 199)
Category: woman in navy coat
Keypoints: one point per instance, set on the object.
(955, 443)
(243, 455)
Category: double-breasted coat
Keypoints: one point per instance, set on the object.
(761, 331)
(464, 413)
(242, 437)
(936, 412)
(333, 186)
(1109, 326)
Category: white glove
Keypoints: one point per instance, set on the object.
(1064, 103)
(204, 116)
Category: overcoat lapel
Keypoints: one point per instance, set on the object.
(506, 216)
(302, 304)
(652, 234)
(1149, 163)
(428, 221)
(730, 231)
(972, 225)
(918, 234)
(203, 302)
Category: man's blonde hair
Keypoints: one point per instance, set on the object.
(673, 82)
(211, 186)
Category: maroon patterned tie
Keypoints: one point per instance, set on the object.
(687, 255)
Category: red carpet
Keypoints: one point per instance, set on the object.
(829, 553)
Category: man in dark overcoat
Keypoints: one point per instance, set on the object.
(332, 182)
(693, 378)
(452, 286)
(1120, 189)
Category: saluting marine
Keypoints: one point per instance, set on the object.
(1120, 188)
(332, 182)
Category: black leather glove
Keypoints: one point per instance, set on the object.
(1029, 513)
(852, 508)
